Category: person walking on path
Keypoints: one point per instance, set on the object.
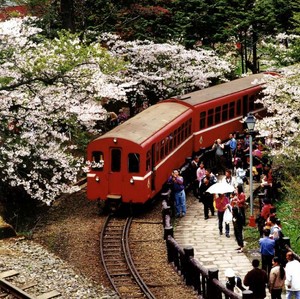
(238, 223)
(256, 280)
(267, 250)
(177, 186)
(292, 282)
(222, 203)
(276, 279)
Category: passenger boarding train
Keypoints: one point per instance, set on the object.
(131, 163)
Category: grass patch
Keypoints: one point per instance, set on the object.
(288, 211)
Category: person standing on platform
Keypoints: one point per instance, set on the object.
(276, 279)
(239, 200)
(256, 280)
(206, 198)
(267, 250)
(233, 281)
(232, 143)
(222, 203)
(219, 156)
(177, 186)
(292, 282)
(238, 223)
(240, 175)
(201, 172)
(230, 180)
(193, 178)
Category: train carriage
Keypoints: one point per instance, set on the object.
(130, 163)
(218, 110)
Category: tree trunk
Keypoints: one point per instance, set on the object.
(67, 14)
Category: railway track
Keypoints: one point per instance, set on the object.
(117, 260)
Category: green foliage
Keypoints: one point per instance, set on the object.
(190, 22)
(288, 211)
(287, 206)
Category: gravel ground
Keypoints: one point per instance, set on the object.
(63, 253)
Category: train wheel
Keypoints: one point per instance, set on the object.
(102, 207)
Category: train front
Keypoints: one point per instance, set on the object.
(115, 172)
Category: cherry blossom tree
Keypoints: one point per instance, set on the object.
(282, 100)
(48, 93)
(51, 92)
(164, 70)
(279, 51)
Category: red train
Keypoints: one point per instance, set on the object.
(131, 163)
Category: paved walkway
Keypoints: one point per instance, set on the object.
(211, 249)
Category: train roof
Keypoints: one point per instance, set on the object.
(221, 90)
(151, 120)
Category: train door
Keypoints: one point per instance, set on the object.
(153, 166)
(115, 174)
(245, 105)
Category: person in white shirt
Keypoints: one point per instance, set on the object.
(229, 179)
(292, 282)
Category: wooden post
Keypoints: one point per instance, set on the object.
(168, 231)
(212, 291)
(170, 250)
(247, 294)
(189, 252)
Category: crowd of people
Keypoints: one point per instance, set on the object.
(279, 269)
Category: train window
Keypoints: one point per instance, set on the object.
(185, 130)
(166, 145)
(157, 152)
(210, 117)
(239, 107)
(171, 141)
(162, 149)
(251, 103)
(178, 135)
(217, 114)
(133, 162)
(231, 110)
(245, 105)
(97, 161)
(115, 160)
(181, 133)
(202, 120)
(225, 112)
(175, 142)
(189, 127)
(148, 161)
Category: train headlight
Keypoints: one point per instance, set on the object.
(131, 181)
(115, 140)
(97, 179)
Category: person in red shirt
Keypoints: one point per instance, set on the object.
(239, 200)
(222, 203)
(264, 214)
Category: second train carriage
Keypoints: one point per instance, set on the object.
(130, 163)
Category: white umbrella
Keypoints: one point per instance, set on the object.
(220, 188)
